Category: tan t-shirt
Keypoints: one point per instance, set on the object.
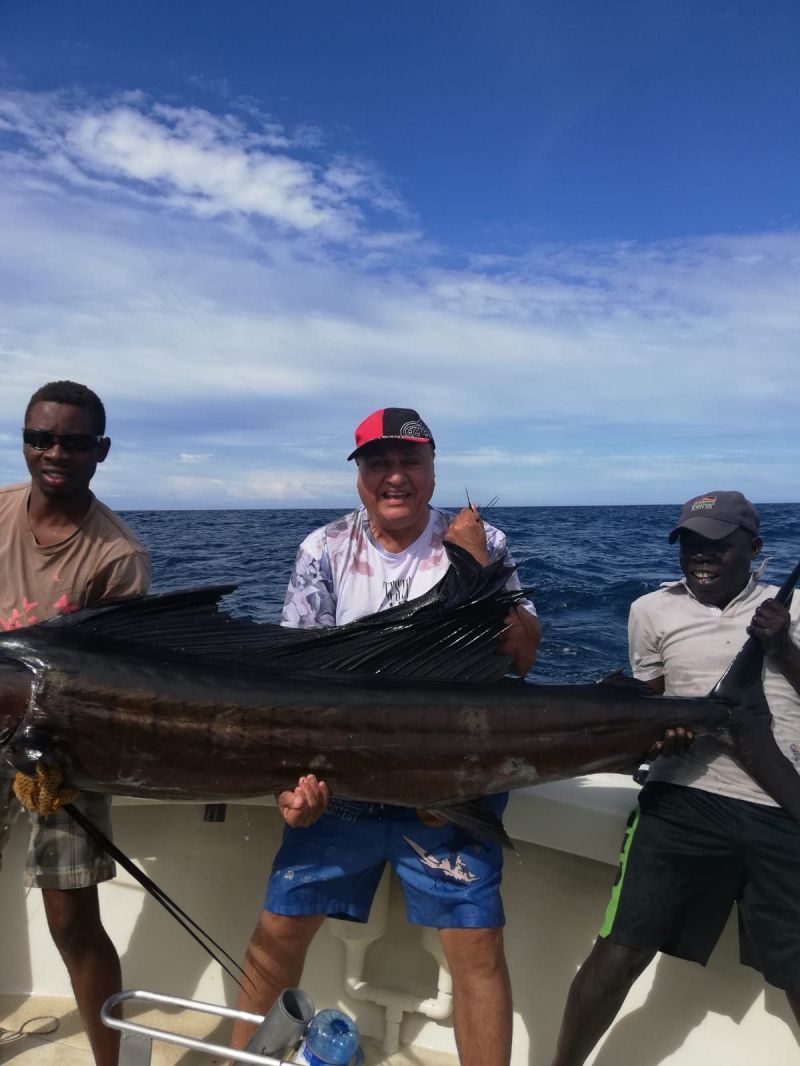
(691, 645)
(101, 561)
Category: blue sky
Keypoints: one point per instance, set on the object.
(567, 232)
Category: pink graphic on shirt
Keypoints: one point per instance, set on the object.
(14, 621)
(359, 562)
(433, 562)
(19, 619)
(63, 606)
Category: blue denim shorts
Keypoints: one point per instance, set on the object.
(450, 880)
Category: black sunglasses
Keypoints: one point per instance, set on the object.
(42, 440)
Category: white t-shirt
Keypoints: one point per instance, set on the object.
(672, 634)
(341, 573)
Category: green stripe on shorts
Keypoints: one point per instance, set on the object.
(613, 903)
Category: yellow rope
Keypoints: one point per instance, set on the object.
(43, 794)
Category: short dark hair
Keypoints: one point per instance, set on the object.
(74, 394)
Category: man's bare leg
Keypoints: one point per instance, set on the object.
(482, 1013)
(91, 959)
(595, 997)
(274, 961)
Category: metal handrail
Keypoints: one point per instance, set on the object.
(130, 1027)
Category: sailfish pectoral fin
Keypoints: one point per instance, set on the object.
(476, 820)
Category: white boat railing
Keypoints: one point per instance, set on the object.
(136, 1045)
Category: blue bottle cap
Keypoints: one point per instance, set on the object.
(332, 1038)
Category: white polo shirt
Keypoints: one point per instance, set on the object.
(672, 634)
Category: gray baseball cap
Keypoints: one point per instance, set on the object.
(716, 514)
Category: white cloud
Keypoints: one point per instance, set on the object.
(235, 363)
(190, 159)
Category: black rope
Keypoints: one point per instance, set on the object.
(196, 932)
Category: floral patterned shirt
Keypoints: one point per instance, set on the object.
(342, 573)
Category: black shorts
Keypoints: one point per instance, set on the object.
(687, 857)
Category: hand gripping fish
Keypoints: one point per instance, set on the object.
(169, 696)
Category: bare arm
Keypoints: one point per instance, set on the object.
(520, 641)
(674, 741)
(468, 532)
(123, 579)
(770, 627)
(309, 604)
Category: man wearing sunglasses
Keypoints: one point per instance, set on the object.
(61, 550)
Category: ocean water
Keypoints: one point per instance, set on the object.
(584, 566)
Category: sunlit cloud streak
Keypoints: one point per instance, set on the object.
(213, 166)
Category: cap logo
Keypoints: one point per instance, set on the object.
(705, 503)
(415, 429)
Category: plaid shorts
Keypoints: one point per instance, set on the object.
(61, 855)
(9, 809)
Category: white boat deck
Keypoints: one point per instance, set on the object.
(555, 889)
(68, 1045)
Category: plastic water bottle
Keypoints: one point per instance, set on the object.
(331, 1040)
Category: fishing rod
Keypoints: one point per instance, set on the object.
(195, 931)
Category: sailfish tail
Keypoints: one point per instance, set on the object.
(758, 752)
(751, 730)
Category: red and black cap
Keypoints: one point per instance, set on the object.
(391, 423)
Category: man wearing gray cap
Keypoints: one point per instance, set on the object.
(704, 835)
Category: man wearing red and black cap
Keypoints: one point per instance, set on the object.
(388, 424)
(387, 551)
(704, 834)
